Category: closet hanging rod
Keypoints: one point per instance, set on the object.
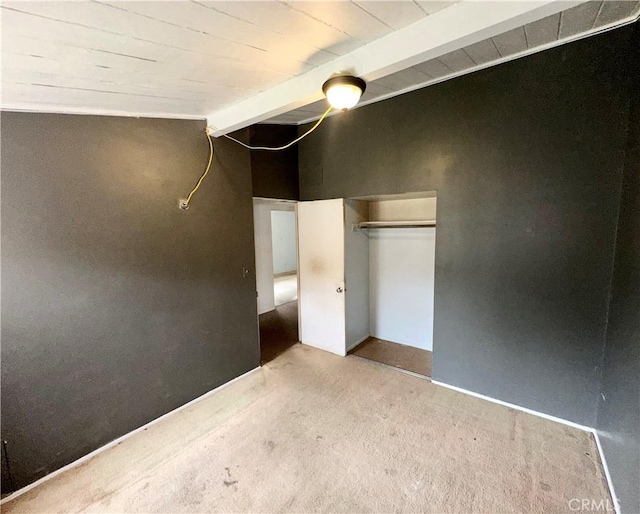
(365, 225)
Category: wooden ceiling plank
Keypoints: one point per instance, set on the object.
(71, 65)
(402, 79)
(347, 17)
(395, 14)
(431, 7)
(22, 67)
(511, 42)
(614, 10)
(121, 84)
(197, 17)
(543, 31)
(375, 90)
(579, 19)
(77, 86)
(434, 68)
(183, 41)
(297, 25)
(87, 101)
(483, 51)
(177, 62)
(276, 40)
(457, 60)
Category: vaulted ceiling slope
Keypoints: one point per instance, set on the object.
(580, 21)
(243, 62)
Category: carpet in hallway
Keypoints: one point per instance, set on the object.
(314, 432)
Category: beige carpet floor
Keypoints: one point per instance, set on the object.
(314, 432)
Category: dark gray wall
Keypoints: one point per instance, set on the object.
(527, 159)
(117, 307)
(274, 174)
(619, 409)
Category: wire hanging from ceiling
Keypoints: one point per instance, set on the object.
(183, 203)
(342, 91)
(284, 147)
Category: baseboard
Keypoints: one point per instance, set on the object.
(117, 441)
(359, 341)
(517, 407)
(616, 502)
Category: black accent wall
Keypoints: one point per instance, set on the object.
(527, 158)
(274, 174)
(117, 307)
(619, 409)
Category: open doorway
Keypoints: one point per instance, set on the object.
(276, 275)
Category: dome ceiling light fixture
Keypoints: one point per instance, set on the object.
(344, 91)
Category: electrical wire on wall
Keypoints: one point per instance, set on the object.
(183, 203)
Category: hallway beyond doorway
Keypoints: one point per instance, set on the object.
(285, 288)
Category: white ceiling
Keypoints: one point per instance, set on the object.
(176, 58)
(242, 62)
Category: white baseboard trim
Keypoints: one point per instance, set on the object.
(616, 502)
(517, 407)
(362, 340)
(117, 441)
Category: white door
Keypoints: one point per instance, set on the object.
(321, 274)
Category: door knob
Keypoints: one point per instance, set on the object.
(339, 290)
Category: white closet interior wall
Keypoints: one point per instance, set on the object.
(401, 273)
(390, 272)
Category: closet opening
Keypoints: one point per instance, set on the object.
(389, 275)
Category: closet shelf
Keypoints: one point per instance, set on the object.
(366, 225)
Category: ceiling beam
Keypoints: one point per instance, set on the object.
(460, 25)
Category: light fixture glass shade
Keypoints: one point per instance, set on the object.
(343, 92)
